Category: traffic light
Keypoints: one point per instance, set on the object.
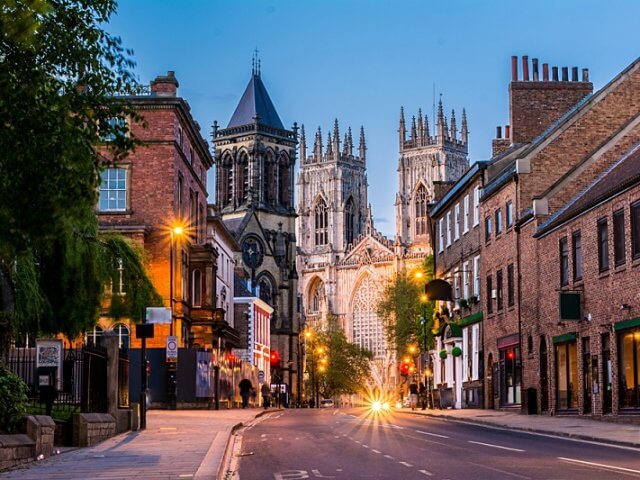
(404, 369)
(275, 358)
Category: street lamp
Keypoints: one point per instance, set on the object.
(174, 231)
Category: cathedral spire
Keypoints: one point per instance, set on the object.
(336, 140)
(414, 134)
(255, 64)
(454, 127)
(329, 151)
(317, 146)
(464, 132)
(440, 121)
(427, 134)
(303, 145)
(368, 226)
(349, 143)
(363, 145)
(402, 130)
(420, 129)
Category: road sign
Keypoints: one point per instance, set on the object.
(261, 376)
(158, 315)
(144, 330)
(172, 348)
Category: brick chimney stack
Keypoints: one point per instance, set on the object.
(535, 105)
(165, 85)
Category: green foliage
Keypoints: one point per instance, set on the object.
(456, 351)
(347, 367)
(403, 312)
(13, 400)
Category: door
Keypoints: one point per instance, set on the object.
(489, 383)
(544, 376)
(587, 381)
(606, 374)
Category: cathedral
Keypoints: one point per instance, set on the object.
(343, 262)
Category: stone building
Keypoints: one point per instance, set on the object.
(343, 261)
(255, 157)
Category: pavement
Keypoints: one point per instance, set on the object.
(624, 434)
(192, 444)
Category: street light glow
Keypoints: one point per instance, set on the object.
(424, 298)
(308, 333)
(178, 230)
(419, 274)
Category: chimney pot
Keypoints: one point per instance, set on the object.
(498, 132)
(525, 68)
(574, 74)
(514, 68)
(507, 132)
(565, 74)
(545, 72)
(585, 74)
(554, 72)
(536, 76)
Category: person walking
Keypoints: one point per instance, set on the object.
(245, 391)
(266, 395)
(413, 395)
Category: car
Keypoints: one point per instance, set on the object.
(326, 403)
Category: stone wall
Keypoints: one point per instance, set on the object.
(92, 428)
(23, 448)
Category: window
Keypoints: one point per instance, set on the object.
(603, 245)
(456, 285)
(192, 208)
(114, 126)
(498, 222)
(180, 139)
(510, 285)
(456, 222)
(567, 375)
(476, 206)
(465, 225)
(635, 230)
(619, 256)
(629, 367)
(349, 221)
(421, 202)
(489, 294)
(196, 299)
(180, 195)
(465, 280)
(243, 181)
(564, 261)
(284, 181)
(487, 229)
(476, 276)
(123, 335)
(499, 288)
(441, 235)
(509, 214)
(577, 256)
(94, 336)
(322, 223)
(113, 190)
(184, 276)
(191, 159)
(448, 228)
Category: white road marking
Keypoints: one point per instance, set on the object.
(357, 441)
(336, 436)
(406, 464)
(601, 465)
(432, 434)
(375, 451)
(496, 446)
(365, 446)
(389, 457)
(317, 474)
(428, 474)
(335, 413)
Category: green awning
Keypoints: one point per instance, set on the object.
(624, 324)
(471, 319)
(567, 337)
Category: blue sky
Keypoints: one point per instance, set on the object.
(360, 60)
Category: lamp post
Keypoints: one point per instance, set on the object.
(175, 231)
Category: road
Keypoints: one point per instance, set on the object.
(355, 443)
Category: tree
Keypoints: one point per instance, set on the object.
(404, 312)
(347, 367)
(60, 77)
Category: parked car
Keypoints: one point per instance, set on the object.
(326, 403)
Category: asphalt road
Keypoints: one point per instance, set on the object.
(355, 444)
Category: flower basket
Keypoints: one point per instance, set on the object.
(456, 351)
(443, 354)
(463, 302)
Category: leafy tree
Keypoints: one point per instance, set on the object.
(60, 76)
(347, 366)
(404, 312)
(13, 400)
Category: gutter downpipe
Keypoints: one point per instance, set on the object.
(518, 263)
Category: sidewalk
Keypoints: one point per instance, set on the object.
(573, 427)
(176, 445)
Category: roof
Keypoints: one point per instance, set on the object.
(624, 173)
(458, 186)
(255, 102)
(240, 287)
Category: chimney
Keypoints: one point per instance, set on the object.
(565, 74)
(585, 74)
(507, 132)
(535, 70)
(554, 72)
(574, 74)
(525, 68)
(514, 69)
(498, 132)
(545, 72)
(499, 144)
(165, 85)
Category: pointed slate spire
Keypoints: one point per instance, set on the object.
(464, 131)
(454, 127)
(427, 134)
(303, 145)
(336, 139)
(420, 129)
(440, 120)
(402, 130)
(329, 151)
(363, 145)
(317, 146)
(414, 133)
(255, 104)
(345, 145)
(368, 226)
(350, 140)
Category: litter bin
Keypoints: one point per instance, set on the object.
(532, 401)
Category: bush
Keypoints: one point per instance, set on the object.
(13, 400)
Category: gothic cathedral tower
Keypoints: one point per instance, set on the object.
(332, 209)
(426, 162)
(255, 156)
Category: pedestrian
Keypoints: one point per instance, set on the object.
(266, 395)
(422, 394)
(253, 395)
(413, 395)
(245, 391)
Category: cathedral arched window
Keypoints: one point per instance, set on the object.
(283, 176)
(349, 221)
(321, 222)
(316, 302)
(421, 203)
(269, 178)
(266, 290)
(243, 178)
(367, 329)
(226, 181)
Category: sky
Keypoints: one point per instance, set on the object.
(360, 60)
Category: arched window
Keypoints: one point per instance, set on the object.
(368, 331)
(421, 203)
(322, 222)
(243, 178)
(196, 298)
(349, 221)
(226, 180)
(94, 336)
(316, 304)
(122, 331)
(265, 287)
(269, 178)
(283, 175)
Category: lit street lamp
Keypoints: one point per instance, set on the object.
(175, 231)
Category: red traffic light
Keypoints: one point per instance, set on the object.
(275, 358)
(404, 369)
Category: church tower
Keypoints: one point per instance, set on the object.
(426, 162)
(255, 156)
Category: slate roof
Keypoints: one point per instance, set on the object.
(240, 287)
(255, 101)
(624, 173)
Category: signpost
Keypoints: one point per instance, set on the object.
(143, 331)
(172, 348)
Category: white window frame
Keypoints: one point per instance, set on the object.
(449, 228)
(509, 215)
(107, 181)
(476, 277)
(441, 231)
(456, 285)
(465, 225)
(456, 221)
(465, 280)
(476, 206)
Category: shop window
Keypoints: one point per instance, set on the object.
(510, 376)
(566, 376)
(629, 368)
